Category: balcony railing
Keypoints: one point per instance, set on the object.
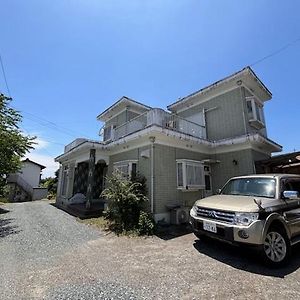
(160, 118)
(74, 144)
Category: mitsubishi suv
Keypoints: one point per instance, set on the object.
(255, 210)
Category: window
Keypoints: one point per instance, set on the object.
(128, 168)
(256, 186)
(190, 175)
(108, 133)
(255, 112)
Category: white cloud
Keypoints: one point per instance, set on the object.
(40, 143)
(45, 160)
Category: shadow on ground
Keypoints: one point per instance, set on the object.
(5, 225)
(244, 258)
(169, 232)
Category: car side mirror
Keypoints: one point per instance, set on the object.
(290, 194)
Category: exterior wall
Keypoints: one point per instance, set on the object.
(249, 128)
(143, 164)
(117, 120)
(39, 193)
(121, 118)
(227, 115)
(227, 167)
(165, 180)
(31, 174)
(224, 117)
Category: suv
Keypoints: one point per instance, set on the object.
(256, 210)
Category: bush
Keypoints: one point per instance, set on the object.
(125, 207)
(146, 224)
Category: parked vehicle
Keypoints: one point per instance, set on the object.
(255, 210)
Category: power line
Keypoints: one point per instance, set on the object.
(49, 124)
(275, 52)
(4, 76)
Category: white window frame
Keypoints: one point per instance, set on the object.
(111, 137)
(256, 121)
(185, 163)
(128, 164)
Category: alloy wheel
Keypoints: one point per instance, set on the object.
(275, 246)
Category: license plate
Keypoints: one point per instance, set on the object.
(209, 226)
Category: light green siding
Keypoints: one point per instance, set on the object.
(143, 165)
(165, 173)
(231, 164)
(121, 118)
(249, 128)
(224, 117)
(165, 181)
(117, 120)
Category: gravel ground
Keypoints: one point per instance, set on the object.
(47, 254)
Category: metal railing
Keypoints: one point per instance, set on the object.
(161, 118)
(73, 144)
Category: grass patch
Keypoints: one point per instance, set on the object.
(3, 201)
(99, 222)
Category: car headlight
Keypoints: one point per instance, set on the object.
(245, 218)
(193, 211)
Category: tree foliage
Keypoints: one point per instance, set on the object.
(125, 206)
(51, 184)
(13, 143)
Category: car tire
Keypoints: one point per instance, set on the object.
(276, 248)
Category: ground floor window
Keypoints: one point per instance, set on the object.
(127, 168)
(190, 174)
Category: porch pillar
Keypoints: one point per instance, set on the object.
(90, 185)
(59, 182)
(71, 172)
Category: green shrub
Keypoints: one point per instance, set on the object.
(146, 224)
(126, 202)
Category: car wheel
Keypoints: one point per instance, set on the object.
(276, 247)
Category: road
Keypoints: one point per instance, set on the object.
(47, 254)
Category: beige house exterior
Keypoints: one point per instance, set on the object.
(186, 152)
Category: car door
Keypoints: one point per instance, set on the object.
(292, 213)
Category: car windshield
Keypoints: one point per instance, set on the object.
(260, 187)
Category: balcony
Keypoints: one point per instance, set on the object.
(156, 117)
(74, 144)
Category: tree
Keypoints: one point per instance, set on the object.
(13, 143)
(51, 184)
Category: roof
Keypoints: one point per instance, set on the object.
(287, 159)
(271, 175)
(33, 162)
(123, 103)
(246, 76)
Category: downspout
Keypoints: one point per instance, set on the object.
(152, 140)
(243, 96)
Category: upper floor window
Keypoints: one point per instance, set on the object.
(255, 112)
(190, 174)
(127, 168)
(108, 132)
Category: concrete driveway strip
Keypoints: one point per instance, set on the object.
(46, 254)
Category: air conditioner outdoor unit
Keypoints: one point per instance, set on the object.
(180, 215)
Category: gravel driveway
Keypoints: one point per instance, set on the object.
(46, 254)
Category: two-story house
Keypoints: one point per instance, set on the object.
(185, 153)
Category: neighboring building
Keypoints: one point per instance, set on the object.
(288, 163)
(185, 154)
(24, 185)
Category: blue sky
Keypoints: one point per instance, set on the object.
(66, 61)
